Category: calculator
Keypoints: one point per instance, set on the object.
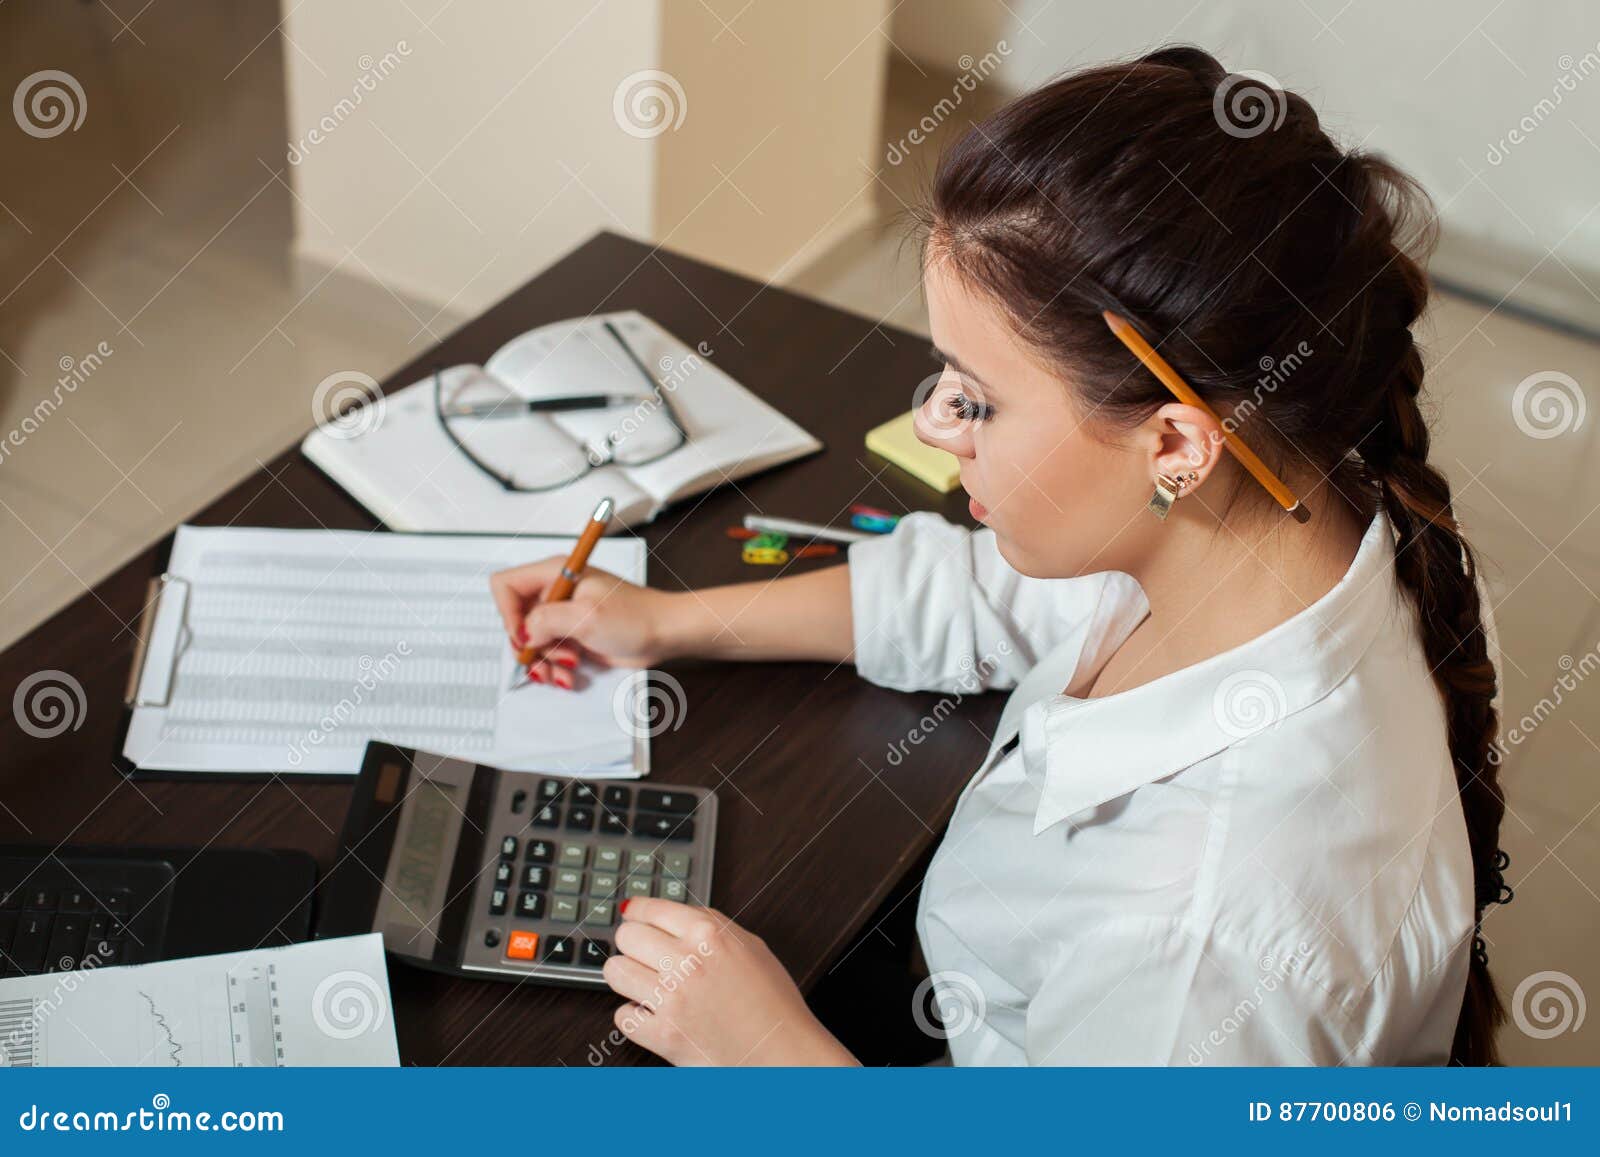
(508, 875)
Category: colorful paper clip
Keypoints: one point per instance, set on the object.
(765, 555)
(873, 524)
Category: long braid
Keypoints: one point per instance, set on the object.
(1438, 570)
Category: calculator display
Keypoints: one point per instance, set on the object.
(419, 867)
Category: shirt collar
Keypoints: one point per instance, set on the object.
(1086, 752)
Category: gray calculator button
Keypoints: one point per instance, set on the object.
(637, 886)
(676, 864)
(674, 890)
(564, 909)
(640, 862)
(602, 883)
(608, 859)
(569, 880)
(597, 914)
(574, 855)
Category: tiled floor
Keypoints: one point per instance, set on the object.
(160, 230)
(216, 350)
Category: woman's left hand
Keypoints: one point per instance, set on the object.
(704, 991)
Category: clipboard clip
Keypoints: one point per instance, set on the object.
(155, 597)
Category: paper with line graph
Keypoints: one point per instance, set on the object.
(316, 1004)
(287, 650)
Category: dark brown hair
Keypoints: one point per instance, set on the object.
(1213, 211)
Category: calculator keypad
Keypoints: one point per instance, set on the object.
(566, 853)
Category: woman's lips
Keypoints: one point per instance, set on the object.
(977, 509)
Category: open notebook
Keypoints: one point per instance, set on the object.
(287, 650)
(399, 462)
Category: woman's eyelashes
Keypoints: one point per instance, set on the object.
(969, 410)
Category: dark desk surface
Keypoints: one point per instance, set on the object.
(816, 827)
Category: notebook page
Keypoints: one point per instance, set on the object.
(733, 434)
(298, 647)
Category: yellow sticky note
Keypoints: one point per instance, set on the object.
(897, 441)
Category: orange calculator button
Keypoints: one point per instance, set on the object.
(522, 945)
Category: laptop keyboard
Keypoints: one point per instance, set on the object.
(62, 914)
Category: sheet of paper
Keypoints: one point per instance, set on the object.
(287, 650)
(317, 1004)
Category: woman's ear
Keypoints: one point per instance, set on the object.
(1188, 441)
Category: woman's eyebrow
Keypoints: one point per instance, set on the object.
(956, 364)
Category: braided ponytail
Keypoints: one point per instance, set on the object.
(1438, 571)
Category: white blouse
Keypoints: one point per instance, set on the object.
(1259, 859)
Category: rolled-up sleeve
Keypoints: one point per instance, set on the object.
(936, 608)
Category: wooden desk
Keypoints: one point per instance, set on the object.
(816, 826)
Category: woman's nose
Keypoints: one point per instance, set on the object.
(938, 425)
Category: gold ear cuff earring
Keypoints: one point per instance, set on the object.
(1168, 489)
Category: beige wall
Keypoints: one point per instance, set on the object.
(775, 161)
(487, 149)
(469, 153)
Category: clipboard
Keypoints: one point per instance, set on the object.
(259, 708)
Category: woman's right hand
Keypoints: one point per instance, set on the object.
(612, 620)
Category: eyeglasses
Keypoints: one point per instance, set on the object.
(559, 439)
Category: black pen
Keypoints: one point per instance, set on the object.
(505, 408)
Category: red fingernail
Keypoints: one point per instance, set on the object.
(535, 676)
(562, 679)
(623, 907)
(569, 663)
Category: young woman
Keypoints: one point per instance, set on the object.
(1240, 807)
